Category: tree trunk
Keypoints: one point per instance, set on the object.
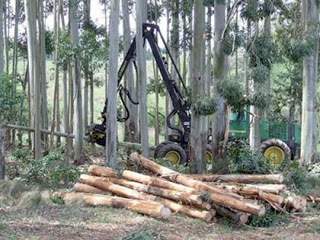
(198, 136)
(78, 118)
(2, 152)
(43, 73)
(310, 18)
(219, 72)
(85, 188)
(131, 125)
(34, 74)
(141, 11)
(1, 37)
(111, 125)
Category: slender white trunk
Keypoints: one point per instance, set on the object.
(141, 7)
(111, 125)
(310, 15)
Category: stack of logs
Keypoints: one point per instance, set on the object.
(198, 196)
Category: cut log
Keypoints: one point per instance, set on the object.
(269, 188)
(149, 208)
(296, 203)
(243, 190)
(106, 185)
(236, 217)
(187, 198)
(113, 188)
(85, 188)
(138, 177)
(217, 195)
(240, 178)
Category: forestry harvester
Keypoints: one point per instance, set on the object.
(176, 148)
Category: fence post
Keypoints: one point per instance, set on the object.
(2, 151)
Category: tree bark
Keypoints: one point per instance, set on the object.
(111, 125)
(241, 178)
(85, 188)
(1, 37)
(186, 198)
(310, 18)
(219, 72)
(150, 208)
(216, 195)
(141, 11)
(198, 136)
(138, 177)
(2, 152)
(34, 74)
(78, 117)
(131, 125)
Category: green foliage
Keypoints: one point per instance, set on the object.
(66, 49)
(204, 105)
(91, 49)
(50, 171)
(262, 51)
(295, 50)
(152, 117)
(243, 160)
(300, 180)
(9, 103)
(270, 219)
(259, 99)
(260, 73)
(49, 42)
(232, 92)
(152, 85)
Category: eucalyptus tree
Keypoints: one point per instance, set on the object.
(309, 134)
(198, 136)
(111, 124)
(31, 8)
(141, 12)
(78, 117)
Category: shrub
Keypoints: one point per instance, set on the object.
(242, 160)
(270, 219)
(50, 171)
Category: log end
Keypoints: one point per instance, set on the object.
(261, 211)
(165, 212)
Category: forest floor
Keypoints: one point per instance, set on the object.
(66, 222)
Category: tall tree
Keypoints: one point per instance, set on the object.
(141, 11)
(219, 72)
(31, 8)
(111, 125)
(1, 38)
(78, 130)
(310, 18)
(131, 126)
(198, 136)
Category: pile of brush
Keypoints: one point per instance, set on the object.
(198, 196)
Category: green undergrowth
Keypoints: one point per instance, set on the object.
(270, 219)
(51, 171)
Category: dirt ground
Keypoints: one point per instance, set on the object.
(65, 222)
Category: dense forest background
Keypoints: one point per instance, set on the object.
(58, 66)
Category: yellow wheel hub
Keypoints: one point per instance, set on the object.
(173, 156)
(209, 157)
(275, 155)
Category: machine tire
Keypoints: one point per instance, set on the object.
(277, 145)
(170, 147)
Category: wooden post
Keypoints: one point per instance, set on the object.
(2, 152)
